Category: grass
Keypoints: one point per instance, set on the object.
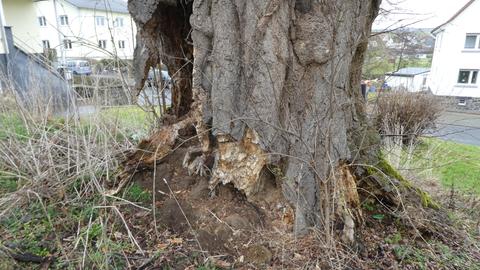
(34, 230)
(452, 163)
(136, 193)
(12, 124)
(128, 122)
(7, 183)
(439, 256)
(127, 116)
(130, 119)
(74, 162)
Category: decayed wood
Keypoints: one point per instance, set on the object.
(239, 163)
(150, 151)
(159, 145)
(349, 202)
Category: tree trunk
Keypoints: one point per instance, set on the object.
(267, 83)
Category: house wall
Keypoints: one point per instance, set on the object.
(84, 32)
(20, 15)
(53, 32)
(420, 82)
(400, 82)
(411, 84)
(32, 80)
(450, 56)
(3, 44)
(471, 105)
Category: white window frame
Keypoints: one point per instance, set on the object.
(63, 20)
(116, 22)
(462, 102)
(476, 47)
(100, 20)
(67, 44)
(46, 44)
(102, 43)
(470, 77)
(42, 21)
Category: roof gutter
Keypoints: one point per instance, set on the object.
(405, 75)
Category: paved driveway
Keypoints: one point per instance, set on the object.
(459, 127)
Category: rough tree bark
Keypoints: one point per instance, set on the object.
(266, 83)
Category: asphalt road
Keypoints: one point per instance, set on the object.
(459, 127)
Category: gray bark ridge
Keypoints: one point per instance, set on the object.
(283, 69)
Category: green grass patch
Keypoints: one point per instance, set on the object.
(454, 164)
(77, 215)
(136, 193)
(127, 116)
(131, 120)
(439, 257)
(7, 183)
(28, 230)
(394, 239)
(122, 122)
(12, 125)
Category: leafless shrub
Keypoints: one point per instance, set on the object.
(406, 115)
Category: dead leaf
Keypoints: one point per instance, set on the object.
(118, 235)
(176, 241)
(220, 263)
(162, 246)
(297, 256)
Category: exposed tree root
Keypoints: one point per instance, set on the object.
(150, 151)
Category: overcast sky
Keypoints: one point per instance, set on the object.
(431, 12)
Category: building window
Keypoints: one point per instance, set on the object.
(472, 41)
(64, 20)
(118, 22)
(46, 44)
(121, 44)
(467, 76)
(462, 101)
(42, 21)
(102, 44)
(67, 44)
(100, 21)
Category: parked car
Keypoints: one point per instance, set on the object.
(78, 67)
(165, 77)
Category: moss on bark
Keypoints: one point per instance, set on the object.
(388, 176)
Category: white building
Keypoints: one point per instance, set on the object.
(410, 79)
(456, 59)
(94, 29)
(23, 69)
(21, 17)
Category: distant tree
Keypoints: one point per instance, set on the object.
(391, 51)
(379, 59)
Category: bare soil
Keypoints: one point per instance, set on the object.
(196, 226)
